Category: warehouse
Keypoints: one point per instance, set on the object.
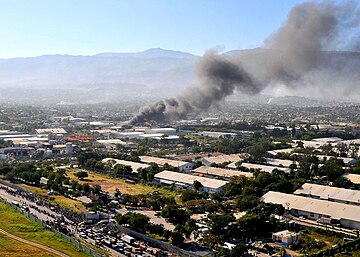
(334, 194)
(224, 173)
(354, 178)
(186, 181)
(344, 214)
(164, 131)
(261, 167)
(219, 159)
(134, 165)
(183, 166)
(280, 162)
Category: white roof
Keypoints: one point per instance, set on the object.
(354, 178)
(287, 150)
(51, 130)
(327, 139)
(111, 142)
(224, 158)
(266, 168)
(134, 165)
(162, 129)
(221, 172)
(278, 162)
(327, 192)
(285, 233)
(187, 179)
(351, 141)
(333, 209)
(163, 161)
(345, 159)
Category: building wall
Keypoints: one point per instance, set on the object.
(186, 167)
(190, 186)
(350, 224)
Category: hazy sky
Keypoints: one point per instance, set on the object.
(36, 27)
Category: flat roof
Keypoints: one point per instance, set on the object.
(332, 209)
(327, 139)
(187, 179)
(224, 158)
(266, 168)
(51, 130)
(327, 192)
(111, 142)
(354, 178)
(285, 233)
(134, 165)
(278, 162)
(286, 150)
(163, 161)
(222, 172)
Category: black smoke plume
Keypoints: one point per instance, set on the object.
(296, 56)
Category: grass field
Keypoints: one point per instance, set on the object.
(12, 248)
(109, 184)
(63, 201)
(17, 224)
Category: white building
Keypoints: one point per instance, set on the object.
(219, 172)
(214, 134)
(186, 181)
(134, 165)
(164, 131)
(261, 167)
(286, 237)
(280, 162)
(51, 130)
(183, 166)
(334, 194)
(219, 159)
(345, 214)
(354, 178)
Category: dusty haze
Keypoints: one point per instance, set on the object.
(298, 59)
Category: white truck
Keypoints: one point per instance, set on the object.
(128, 239)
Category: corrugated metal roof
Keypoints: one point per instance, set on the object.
(327, 192)
(187, 179)
(334, 210)
(163, 161)
(221, 172)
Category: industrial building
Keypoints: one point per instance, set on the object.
(286, 237)
(164, 131)
(219, 172)
(261, 167)
(354, 178)
(214, 134)
(186, 181)
(334, 194)
(280, 162)
(338, 213)
(134, 165)
(51, 131)
(219, 159)
(182, 166)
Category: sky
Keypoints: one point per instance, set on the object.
(87, 27)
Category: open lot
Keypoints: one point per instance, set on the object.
(10, 247)
(109, 184)
(17, 224)
(63, 201)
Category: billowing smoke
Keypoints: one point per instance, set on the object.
(218, 78)
(296, 56)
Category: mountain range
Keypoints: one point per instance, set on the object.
(108, 76)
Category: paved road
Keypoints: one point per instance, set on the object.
(43, 247)
(153, 218)
(313, 223)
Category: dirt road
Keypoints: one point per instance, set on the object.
(43, 247)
